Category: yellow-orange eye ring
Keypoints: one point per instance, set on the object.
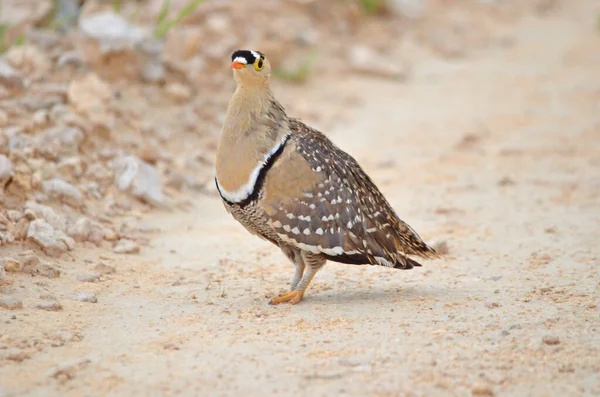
(258, 65)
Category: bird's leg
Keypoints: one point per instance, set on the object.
(312, 265)
(298, 273)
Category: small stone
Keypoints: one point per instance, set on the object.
(17, 355)
(504, 333)
(440, 246)
(20, 230)
(29, 60)
(6, 170)
(12, 265)
(86, 297)
(364, 60)
(52, 242)
(81, 230)
(491, 305)
(88, 278)
(57, 221)
(550, 340)
(29, 214)
(10, 302)
(110, 235)
(50, 305)
(64, 191)
(178, 91)
(141, 178)
(10, 77)
(105, 269)
(482, 389)
(49, 271)
(31, 263)
(14, 215)
(125, 246)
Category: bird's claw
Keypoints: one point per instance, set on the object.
(291, 297)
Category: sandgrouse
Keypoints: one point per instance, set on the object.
(289, 184)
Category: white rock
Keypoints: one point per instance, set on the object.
(364, 60)
(141, 178)
(81, 230)
(440, 246)
(63, 191)
(112, 31)
(6, 170)
(58, 141)
(86, 297)
(52, 242)
(28, 59)
(90, 96)
(46, 213)
(125, 246)
(10, 302)
(412, 9)
(10, 77)
(14, 215)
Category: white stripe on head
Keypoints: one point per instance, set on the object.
(241, 60)
(256, 55)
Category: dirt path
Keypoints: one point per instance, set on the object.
(499, 155)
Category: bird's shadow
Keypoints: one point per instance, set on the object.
(377, 296)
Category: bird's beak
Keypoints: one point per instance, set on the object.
(237, 65)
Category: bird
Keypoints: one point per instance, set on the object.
(292, 186)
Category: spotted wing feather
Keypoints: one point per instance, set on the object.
(341, 214)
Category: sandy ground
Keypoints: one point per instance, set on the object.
(498, 154)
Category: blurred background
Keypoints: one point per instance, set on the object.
(478, 119)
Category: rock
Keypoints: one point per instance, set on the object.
(17, 355)
(20, 229)
(81, 230)
(53, 242)
(88, 278)
(57, 142)
(64, 191)
(110, 235)
(90, 96)
(105, 269)
(112, 31)
(49, 271)
(9, 77)
(31, 263)
(150, 53)
(491, 305)
(482, 389)
(412, 9)
(550, 340)
(14, 216)
(6, 170)
(440, 246)
(35, 211)
(141, 178)
(7, 237)
(29, 60)
(10, 302)
(179, 92)
(125, 246)
(12, 265)
(364, 60)
(86, 297)
(51, 305)
(67, 372)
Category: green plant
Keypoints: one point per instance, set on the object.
(117, 6)
(372, 7)
(301, 73)
(163, 25)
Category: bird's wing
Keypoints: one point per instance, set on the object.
(325, 203)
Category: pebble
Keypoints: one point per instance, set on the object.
(491, 305)
(35, 211)
(88, 278)
(10, 77)
(52, 242)
(10, 302)
(141, 178)
(105, 269)
(81, 230)
(440, 246)
(49, 271)
(86, 297)
(64, 191)
(125, 246)
(17, 355)
(6, 170)
(29, 60)
(50, 305)
(12, 265)
(14, 215)
(482, 389)
(550, 340)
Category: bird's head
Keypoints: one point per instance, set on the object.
(250, 67)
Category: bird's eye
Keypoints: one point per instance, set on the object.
(258, 65)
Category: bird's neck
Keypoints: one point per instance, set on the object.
(255, 127)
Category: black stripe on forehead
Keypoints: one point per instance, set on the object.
(247, 55)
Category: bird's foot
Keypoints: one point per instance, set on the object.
(291, 297)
